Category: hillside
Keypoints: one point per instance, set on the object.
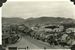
(34, 21)
(48, 20)
(12, 20)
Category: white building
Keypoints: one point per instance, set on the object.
(69, 30)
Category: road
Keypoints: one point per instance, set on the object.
(41, 44)
(33, 44)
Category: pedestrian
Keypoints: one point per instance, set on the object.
(44, 48)
(27, 47)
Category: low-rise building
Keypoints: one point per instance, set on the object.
(5, 34)
(69, 30)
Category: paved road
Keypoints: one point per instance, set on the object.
(23, 44)
(33, 44)
(41, 44)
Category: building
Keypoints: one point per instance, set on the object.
(69, 30)
(5, 34)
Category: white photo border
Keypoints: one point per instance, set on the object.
(20, 1)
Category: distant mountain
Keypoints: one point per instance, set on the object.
(47, 20)
(37, 21)
(12, 20)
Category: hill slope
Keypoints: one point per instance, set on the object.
(48, 20)
(33, 21)
(12, 20)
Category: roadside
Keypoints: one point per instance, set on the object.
(23, 43)
(42, 44)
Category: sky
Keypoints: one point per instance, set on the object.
(28, 9)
